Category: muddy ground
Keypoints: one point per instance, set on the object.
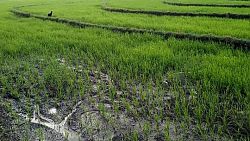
(93, 116)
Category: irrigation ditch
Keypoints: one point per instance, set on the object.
(235, 42)
(208, 5)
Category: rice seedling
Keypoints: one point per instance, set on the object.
(104, 85)
(198, 25)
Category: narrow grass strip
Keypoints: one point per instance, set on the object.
(236, 43)
(170, 13)
(208, 5)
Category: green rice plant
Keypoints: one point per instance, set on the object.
(167, 130)
(175, 24)
(215, 74)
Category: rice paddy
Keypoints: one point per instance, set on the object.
(90, 74)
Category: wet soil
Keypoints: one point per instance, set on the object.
(91, 117)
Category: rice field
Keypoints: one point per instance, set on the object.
(87, 73)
